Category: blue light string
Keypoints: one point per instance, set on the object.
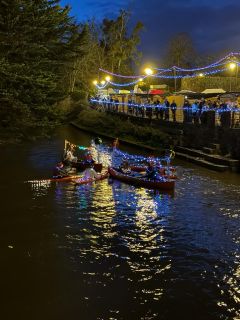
(161, 107)
(161, 77)
(137, 158)
(193, 75)
(179, 69)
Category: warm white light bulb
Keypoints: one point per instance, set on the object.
(148, 71)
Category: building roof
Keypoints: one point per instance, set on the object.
(216, 90)
(185, 92)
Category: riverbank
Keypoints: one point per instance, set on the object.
(113, 126)
(104, 135)
(149, 138)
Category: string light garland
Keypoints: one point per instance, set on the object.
(160, 76)
(216, 64)
(103, 86)
(140, 159)
(162, 107)
(120, 75)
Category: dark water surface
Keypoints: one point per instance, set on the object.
(113, 251)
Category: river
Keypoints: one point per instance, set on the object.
(113, 251)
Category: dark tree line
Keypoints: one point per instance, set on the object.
(45, 56)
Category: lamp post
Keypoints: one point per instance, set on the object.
(237, 65)
(149, 73)
(175, 79)
(108, 79)
(232, 67)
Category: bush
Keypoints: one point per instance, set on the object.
(114, 126)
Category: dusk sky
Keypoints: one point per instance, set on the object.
(214, 25)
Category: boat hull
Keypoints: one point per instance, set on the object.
(90, 180)
(65, 179)
(142, 182)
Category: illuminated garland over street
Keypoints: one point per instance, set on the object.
(160, 77)
(192, 75)
(174, 69)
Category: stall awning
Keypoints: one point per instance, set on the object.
(156, 91)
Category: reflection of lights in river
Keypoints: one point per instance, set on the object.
(104, 209)
(234, 291)
(148, 209)
(40, 187)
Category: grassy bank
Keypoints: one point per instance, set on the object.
(112, 126)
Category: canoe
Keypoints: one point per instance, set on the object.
(90, 180)
(63, 179)
(81, 166)
(162, 171)
(165, 184)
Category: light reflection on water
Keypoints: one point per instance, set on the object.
(164, 247)
(120, 252)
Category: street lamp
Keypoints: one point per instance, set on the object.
(201, 75)
(95, 82)
(108, 78)
(103, 82)
(148, 71)
(232, 65)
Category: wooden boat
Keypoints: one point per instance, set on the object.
(165, 184)
(65, 179)
(82, 165)
(162, 171)
(90, 180)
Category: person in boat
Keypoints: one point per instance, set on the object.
(88, 158)
(69, 157)
(124, 168)
(59, 171)
(152, 172)
(90, 173)
(97, 141)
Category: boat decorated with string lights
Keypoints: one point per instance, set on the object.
(167, 172)
(90, 157)
(161, 183)
(84, 180)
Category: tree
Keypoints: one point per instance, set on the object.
(37, 41)
(120, 46)
(181, 52)
(107, 45)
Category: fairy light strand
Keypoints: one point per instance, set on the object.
(218, 63)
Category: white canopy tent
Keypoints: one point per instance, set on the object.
(216, 90)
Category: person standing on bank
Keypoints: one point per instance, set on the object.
(173, 107)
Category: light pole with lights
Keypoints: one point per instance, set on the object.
(232, 67)
(149, 73)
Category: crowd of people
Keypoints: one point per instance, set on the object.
(198, 112)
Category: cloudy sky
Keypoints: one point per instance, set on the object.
(213, 24)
